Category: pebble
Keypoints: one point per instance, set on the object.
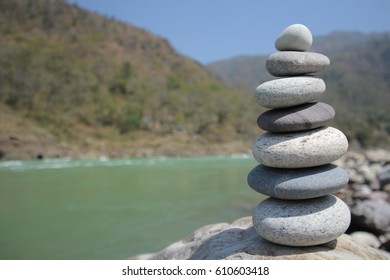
(374, 215)
(384, 177)
(287, 92)
(292, 63)
(366, 238)
(301, 117)
(301, 222)
(296, 37)
(300, 149)
(302, 183)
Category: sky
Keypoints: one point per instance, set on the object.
(212, 30)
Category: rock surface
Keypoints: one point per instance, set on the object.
(302, 117)
(288, 92)
(299, 183)
(369, 203)
(373, 215)
(289, 63)
(305, 222)
(366, 238)
(301, 149)
(239, 241)
(296, 37)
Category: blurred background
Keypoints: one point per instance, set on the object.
(126, 125)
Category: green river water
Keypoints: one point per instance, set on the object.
(116, 208)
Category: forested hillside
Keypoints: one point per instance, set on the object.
(358, 82)
(73, 81)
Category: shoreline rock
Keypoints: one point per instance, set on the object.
(368, 193)
(239, 241)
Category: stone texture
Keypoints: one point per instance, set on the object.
(373, 215)
(299, 183)
(384, 177)
(292, 63)
(296, 37)
(288, 92)
(239, 241)
(301, 222)
(300, 149)
(366, 238)
(302, 117)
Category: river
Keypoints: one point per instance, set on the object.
(116, 208)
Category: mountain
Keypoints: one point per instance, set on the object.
(75, 83)
(358, 82)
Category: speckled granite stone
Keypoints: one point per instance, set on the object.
(293, 63)
(301, 183)
(301, 117)
(288, 92)
(301, 222)
(300, 149)
(296, 37)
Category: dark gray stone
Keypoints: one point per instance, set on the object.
(302, 183)
(302, 117)
(293, 63)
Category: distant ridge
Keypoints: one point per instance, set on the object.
(75, 83)
(358, 81)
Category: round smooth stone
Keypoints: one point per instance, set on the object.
(289, 92)
(305, 222)
(301, 117)
(301, 183)
(296, 37)
(292, 63)
(300, 149)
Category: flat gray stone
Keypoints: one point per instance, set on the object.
(289, 92)
(305, 222)
(301, 183)
(301, 117)
(296, 37)
(300, 149)
(292, 63)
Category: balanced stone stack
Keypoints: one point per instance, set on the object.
(297, 151)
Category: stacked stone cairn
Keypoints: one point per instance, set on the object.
(297, 151)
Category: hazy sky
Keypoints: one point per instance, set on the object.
(211, 30)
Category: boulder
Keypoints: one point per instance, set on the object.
(239, 241)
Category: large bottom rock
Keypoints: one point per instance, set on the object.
(239, 241)
(304, 222)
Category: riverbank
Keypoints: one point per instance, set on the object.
(368, 196)
(367, 193)
(15, 148)
(368, 187)
(239, 241)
